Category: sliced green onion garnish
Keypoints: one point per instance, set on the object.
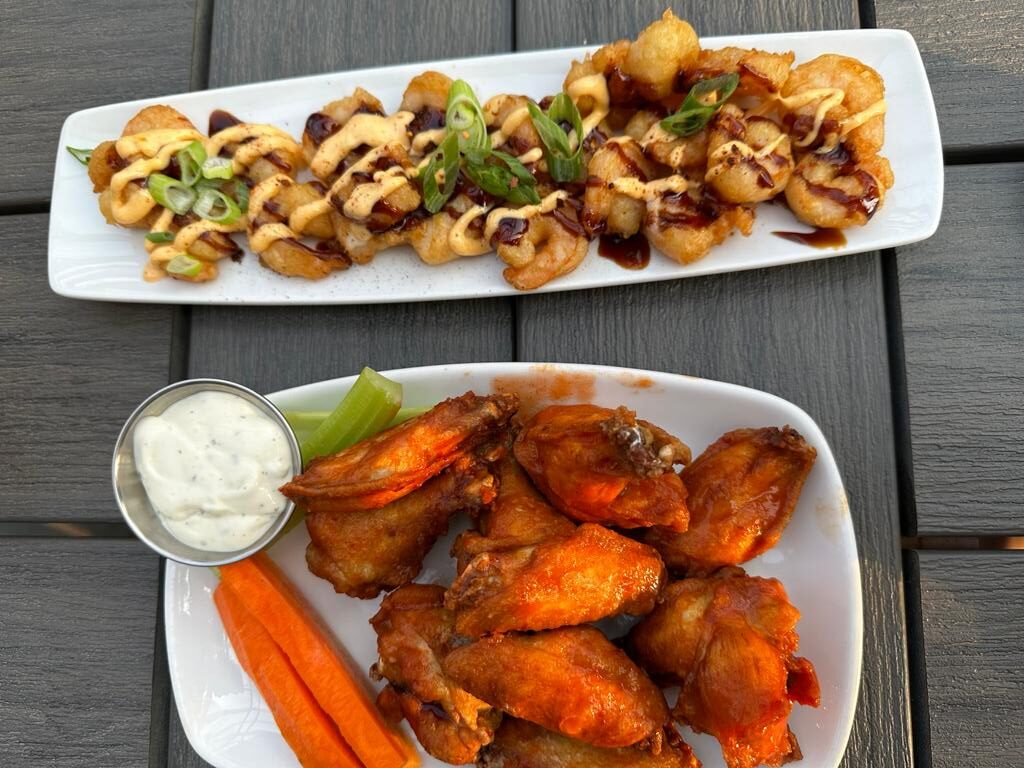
(160, 237)
(242, 195)
(693, 114)
(190, 160)
(171, 193)
(444, 160)
(217, 168)
(508, 178)
(368, 407)
(465, 117)
(81, 155)
(184, 265)
(214, 205)
(564, 163)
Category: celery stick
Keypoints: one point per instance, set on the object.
(304, 423)
(368, 408)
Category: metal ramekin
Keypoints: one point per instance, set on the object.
(131, 496)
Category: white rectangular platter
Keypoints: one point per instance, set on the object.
(89, 259)
(230, 726)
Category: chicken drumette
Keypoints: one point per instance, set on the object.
(414, 632)
(603, 466)
(741, 494)
(729, 642)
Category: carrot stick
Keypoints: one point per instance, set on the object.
(295, 627)
(305, 726)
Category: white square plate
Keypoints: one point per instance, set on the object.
(89, 259)
(230, 726)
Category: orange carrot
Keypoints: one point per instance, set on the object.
(305, 726)
(295, 627)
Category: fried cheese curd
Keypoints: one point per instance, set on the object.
(677, 144)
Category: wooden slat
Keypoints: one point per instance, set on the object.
(962, 301)
(70, 374)
(76, 646)
(56, 58)
(812, 333)
(973, 621)
(974, 61)
(274, 348)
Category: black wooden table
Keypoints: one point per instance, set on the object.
(911, 361)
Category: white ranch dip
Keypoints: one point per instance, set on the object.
(211, 465)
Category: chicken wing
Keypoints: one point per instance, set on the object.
(364, 553)
(413, 632)
(741, 493)
(521, 744)
(603, 466)
(386, 467)
(729, 641)
(591, 574)
(570, 680)
(519, 517)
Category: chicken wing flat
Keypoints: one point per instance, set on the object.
(519, 517)
(521, 744)
(413, 632)
(570, 680)
(729, 641)
(589, 575)
(364, 553)
(388, 466)
(603, 466)
(741, 493)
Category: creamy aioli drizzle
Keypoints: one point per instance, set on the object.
(527, 212)
(596, 87)
(371, 130)
(460, 241)
(211, 465)
(716, 160)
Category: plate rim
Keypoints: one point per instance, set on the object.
(916, 72)
(845, 726)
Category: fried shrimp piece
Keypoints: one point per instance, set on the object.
(741, 494)
(515, 133)
(762, 74)
(686, 225)
(414, 632)
(589, 575)
(388, 466)
(603, 466)
(521, 744)
(608, 211)
(834, 99)
(729, 642)
(602, 696)
(833, 190)
(542, 247)
(663, 50)
(750, 160)
(519, 517)
(329, 120)
(426, 96)
(364, 553)
(154, 117)
(680, 153)
(377, 191)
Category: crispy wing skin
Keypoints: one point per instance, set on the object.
(519, 517)
(729, 641)
(603, 466)
(589, 575)
(521, 744)
(413, 632)
(570, 680)
(364, 553)
(388, 466)
(741, 493)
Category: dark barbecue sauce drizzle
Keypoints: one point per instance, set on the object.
(820, 237)
(628, 252)
(220, 119)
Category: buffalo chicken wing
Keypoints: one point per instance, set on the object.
(386, 467)
(729, 642)
(570, 680)
(603, 466)
(741, 493)
(414, 631)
